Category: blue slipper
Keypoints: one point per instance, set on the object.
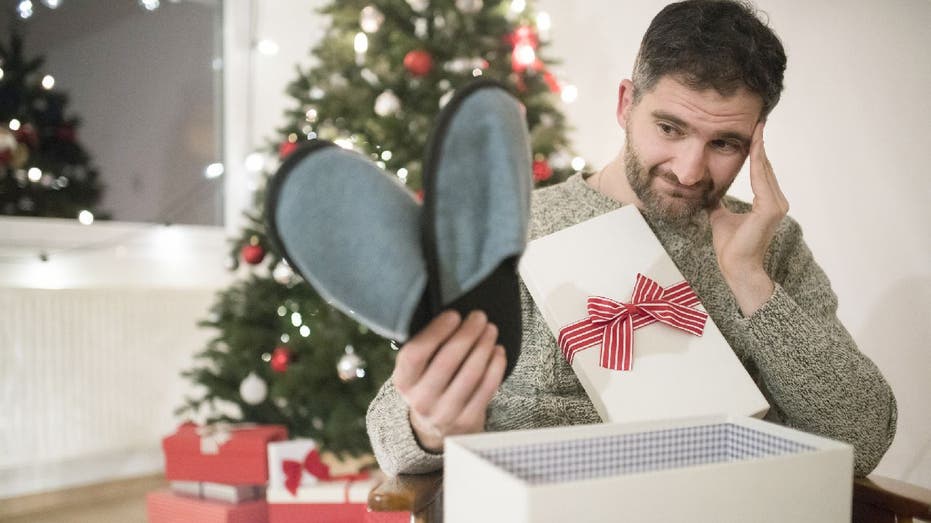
(477, 183)
(353, 232)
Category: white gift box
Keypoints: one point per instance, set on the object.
(325, 492)
(292, 450)
(713, 468)
(674, 373)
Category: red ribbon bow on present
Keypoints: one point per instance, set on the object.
(612, 323)
(293, 472)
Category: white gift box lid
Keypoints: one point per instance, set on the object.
(674, 373)
(713, 468)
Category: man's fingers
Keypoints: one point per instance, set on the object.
(471, 373)
(494, 372)
(768, 196)
(451, 355)
(414, 356)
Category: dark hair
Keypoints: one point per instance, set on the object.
(719, 44)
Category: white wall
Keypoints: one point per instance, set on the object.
(849, 142)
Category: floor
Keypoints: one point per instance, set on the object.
(131, 510)
(121, 501)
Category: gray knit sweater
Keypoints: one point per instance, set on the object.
(794, 347)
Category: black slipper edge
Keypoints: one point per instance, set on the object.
(274, 188)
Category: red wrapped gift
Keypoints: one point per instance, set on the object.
(221, 453)
(164, 507)
(335, 501)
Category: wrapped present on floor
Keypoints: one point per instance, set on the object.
(220, 453)
(633, 330)
(302, 488)
(715, 468)
(218, 491)
(163, 506)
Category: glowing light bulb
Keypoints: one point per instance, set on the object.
(569, 93)
(86, 217)
(518, 6)
(386, 155)
(544, 22)
(255, 162)
(402, 175)
(525, 55)
(48, 81)
(35, 174)
(214, 170)
(305, 331)
(24, 9)
(267, 47)
(578, 163)
(14, 124)
(361, 43)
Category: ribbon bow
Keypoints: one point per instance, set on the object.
(215, 435)
(612, 323)
(293, 472)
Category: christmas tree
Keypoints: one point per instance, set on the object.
(383, 70)
(44, 170)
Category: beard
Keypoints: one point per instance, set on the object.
(673, 206)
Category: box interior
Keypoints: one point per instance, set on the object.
(620, 454)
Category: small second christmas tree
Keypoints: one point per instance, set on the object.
(44, 170)
(383, 71)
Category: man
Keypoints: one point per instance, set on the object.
(707, 75)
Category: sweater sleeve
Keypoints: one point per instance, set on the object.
(392, 437)
(819, 381)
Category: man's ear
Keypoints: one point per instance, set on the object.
(625, 100)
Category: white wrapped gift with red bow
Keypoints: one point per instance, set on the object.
(301, 487)
(633, 330)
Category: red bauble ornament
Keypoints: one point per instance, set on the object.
(66, 133)
(287, 147)
(418, 62)
(281, 359)
(541, 170)
(27, 134)
(253, 253)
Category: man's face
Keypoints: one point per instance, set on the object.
(684, 147)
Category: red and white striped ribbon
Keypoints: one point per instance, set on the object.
(612, 323)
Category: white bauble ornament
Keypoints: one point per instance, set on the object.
(253, 389)
(283, 273)
(387, 104)
(350, 366)
(370, 19)
(420, 28)
(469, 6)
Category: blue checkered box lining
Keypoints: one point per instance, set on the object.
(620, 454)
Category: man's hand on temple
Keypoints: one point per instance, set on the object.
(741, 240)
(448, 374)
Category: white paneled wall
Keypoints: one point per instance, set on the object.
(92, 344)
(87, 374)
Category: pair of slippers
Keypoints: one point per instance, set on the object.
(363, 242)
